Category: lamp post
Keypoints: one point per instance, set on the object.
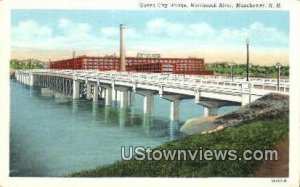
(231, 64)
(278, 66)
(247, 44)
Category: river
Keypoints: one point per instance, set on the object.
(52, 137)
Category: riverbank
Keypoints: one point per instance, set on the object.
(258, 126)
(268, 107)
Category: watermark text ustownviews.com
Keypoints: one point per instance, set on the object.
(142, 153)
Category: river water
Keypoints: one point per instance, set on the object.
(57, 136)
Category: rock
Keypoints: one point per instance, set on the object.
(268, 107)
(198, 125)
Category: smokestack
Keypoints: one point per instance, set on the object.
(122, 48)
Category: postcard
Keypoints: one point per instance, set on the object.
(150, 92)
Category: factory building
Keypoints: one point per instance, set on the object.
(134, 64)
(148, 64)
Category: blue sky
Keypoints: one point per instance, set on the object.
(150, 31)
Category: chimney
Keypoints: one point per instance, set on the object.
(122, 48)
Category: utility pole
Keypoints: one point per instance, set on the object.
(231, 64)
(247, 43)
(278, 66)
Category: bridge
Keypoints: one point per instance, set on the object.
(212, 92)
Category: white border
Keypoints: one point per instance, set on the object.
(6, 5)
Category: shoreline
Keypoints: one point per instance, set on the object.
(198, 125)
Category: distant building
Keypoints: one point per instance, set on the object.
(136, 64)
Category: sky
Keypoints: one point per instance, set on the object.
(214, 35)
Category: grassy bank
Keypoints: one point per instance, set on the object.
(261, 134)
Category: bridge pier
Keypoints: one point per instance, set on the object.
(21, 78)
(211, 106)
(210, 111)
(197, 96)
(102, 93)
(122, 96)
(148, 101)
(174, 110)
(75, 89)
(174, 115)
(31, 79)
(132, 98)
(96, 93)
(25, 79)
(124, 99)
(88, 91)
(148, 104)
(108, 96)
(175, 105)
(114, 94)
(118, 96)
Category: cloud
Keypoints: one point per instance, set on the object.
(63, 34)
(204, 35)
(74, 31)
(29, 29)
(162, 26)
(173, 29)
(268, 34)
(64, 23)
(109, 31)
(200, 30)
(158, 34)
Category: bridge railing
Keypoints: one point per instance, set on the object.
(179, 79)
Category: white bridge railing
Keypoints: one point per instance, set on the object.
(178, 80)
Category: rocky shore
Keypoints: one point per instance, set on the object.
(268, 107)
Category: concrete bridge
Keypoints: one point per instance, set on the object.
(212, 92)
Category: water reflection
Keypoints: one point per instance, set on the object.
(132, 115)
(174, 127)
(106, 114)
(31, 91)
(75, 104)
(46, 92)
(87, 133)
(147, 122)
(123, 113)
(95, 110)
